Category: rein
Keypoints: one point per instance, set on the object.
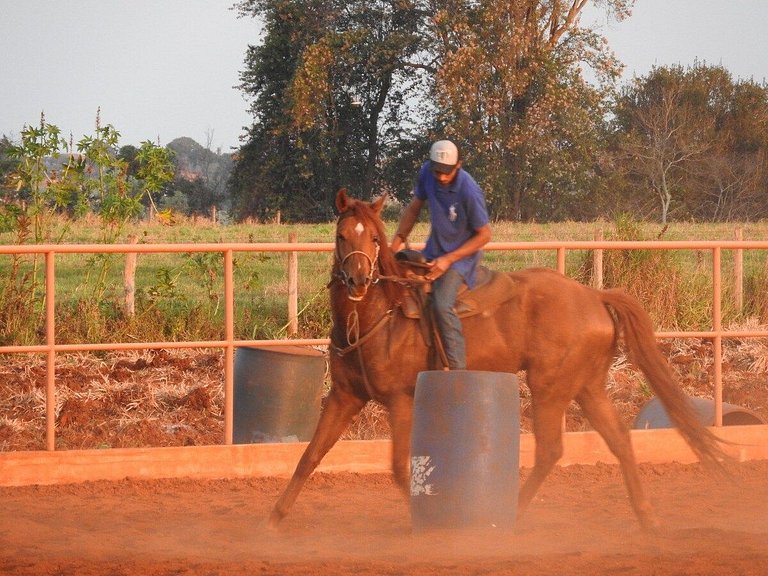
(353, 332)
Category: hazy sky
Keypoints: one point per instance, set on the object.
(730, 33)
(160, 69)
(157, 68)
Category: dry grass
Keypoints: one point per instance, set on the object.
(162, 398)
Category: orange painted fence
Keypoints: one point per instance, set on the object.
(51, 348)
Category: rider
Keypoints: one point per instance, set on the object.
(459, 229)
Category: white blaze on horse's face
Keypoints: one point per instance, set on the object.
(359, 229)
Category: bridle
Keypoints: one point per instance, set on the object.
(373, 264)
(354, 339)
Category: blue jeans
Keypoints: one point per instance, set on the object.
(444, 292)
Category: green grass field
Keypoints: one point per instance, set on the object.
(179, 296)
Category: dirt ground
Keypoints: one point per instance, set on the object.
(579, 524)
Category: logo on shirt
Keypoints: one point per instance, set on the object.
(452, 213)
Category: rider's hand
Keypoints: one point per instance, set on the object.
(438, 267)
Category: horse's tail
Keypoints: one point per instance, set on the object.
(641, 343)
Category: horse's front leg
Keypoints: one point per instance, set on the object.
(401, 419)
(339, 410)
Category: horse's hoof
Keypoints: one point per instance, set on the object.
(273, 522)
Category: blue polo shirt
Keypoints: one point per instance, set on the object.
(455, 212)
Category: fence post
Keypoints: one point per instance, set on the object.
(293, 288)
(229, 350)
(561, 260)
(717, 342)
(50, 341)
(129, 280)
(597, 262)
(738, 273)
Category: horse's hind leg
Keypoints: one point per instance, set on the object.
(602, 415)
(337, 414)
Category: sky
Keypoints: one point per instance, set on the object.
(159, 69)
(730, 33)
(162, 69)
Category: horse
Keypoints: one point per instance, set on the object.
(562, 333)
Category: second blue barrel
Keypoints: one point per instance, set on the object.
(465, 450)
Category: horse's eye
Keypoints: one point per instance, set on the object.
(376, 239)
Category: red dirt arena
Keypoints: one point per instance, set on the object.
(358, 524)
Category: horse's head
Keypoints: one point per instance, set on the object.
(359, 239)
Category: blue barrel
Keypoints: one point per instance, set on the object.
(277, 394)
(465, 450)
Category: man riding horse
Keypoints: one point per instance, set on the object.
(459, 229)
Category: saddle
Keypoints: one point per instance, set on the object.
(491, 290)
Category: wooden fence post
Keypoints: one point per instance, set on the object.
(738, 273)
(129, 280)
(597, 262)
(293, 288)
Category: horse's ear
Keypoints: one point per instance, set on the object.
(379, 204)
(343, 202)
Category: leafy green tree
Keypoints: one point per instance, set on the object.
(38, 188)
(6, 162)
(128, 154)
(510, 87)
(331, 85)
(199, 198)
(270, 174)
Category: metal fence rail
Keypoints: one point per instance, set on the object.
(51, 348)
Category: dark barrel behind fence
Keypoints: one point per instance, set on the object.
(277, 393)
(465, 450)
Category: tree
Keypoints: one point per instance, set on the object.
(733, 178)
(360, 82)
(353, 92)
(510, 86)
(332, 85)
(696, 140)
(6, 163)
(271, 172)
(663, 133)
(193, 196)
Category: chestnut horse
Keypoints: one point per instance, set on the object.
(564, 334)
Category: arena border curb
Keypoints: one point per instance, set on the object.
(356, 456)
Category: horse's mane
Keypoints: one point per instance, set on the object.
(388, 265)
